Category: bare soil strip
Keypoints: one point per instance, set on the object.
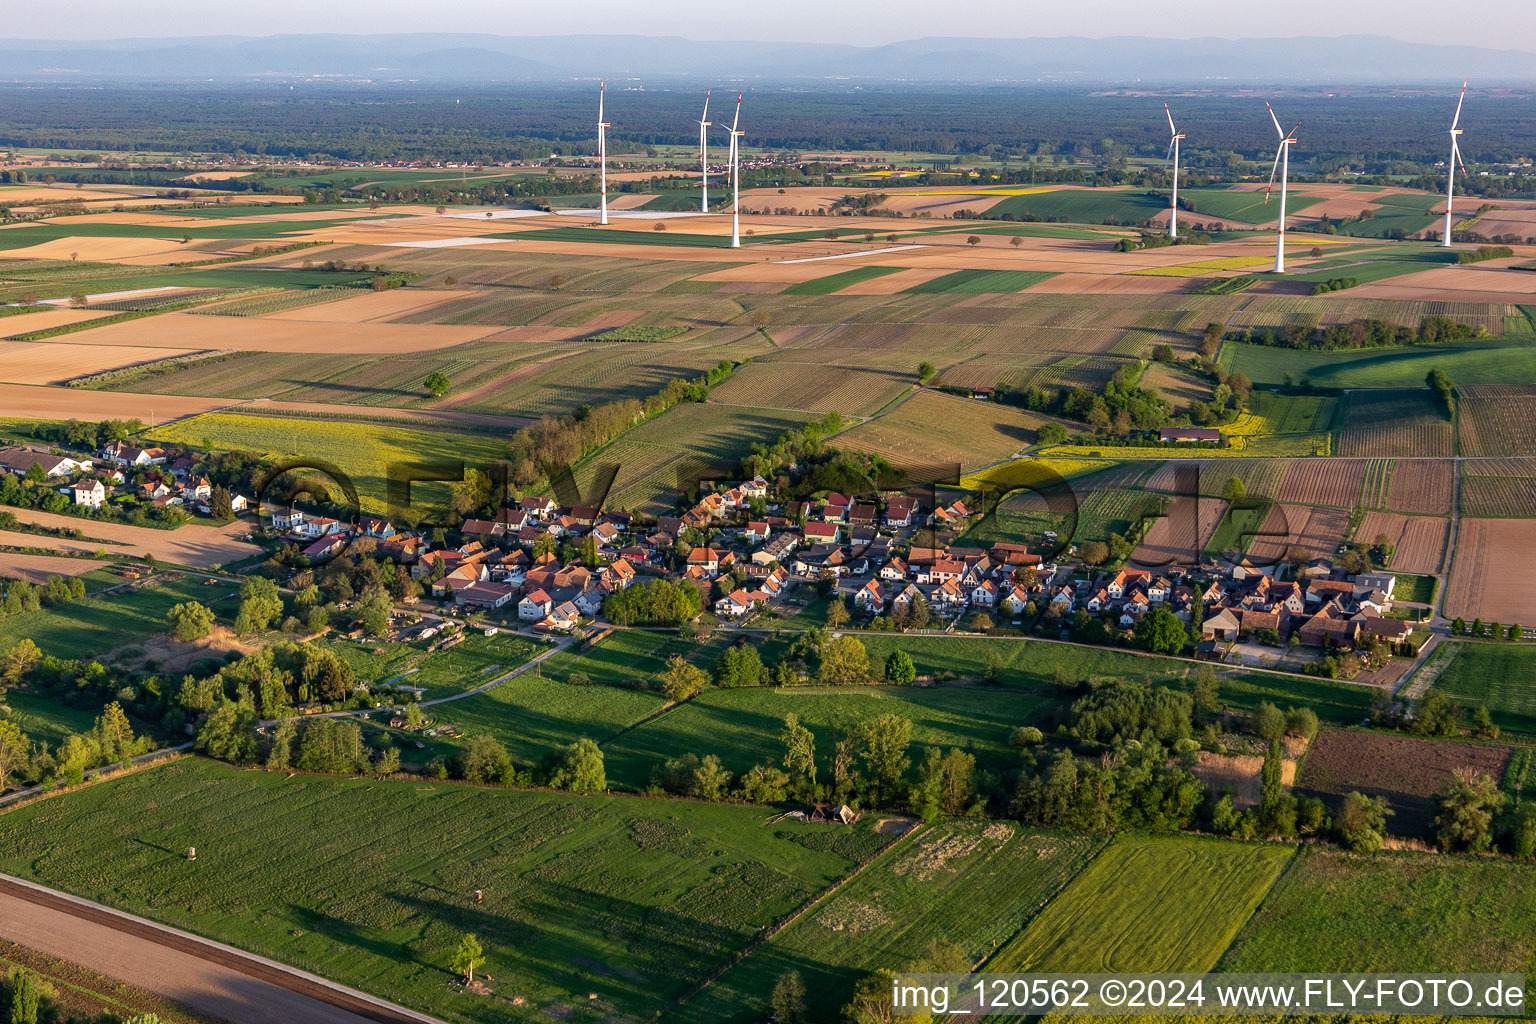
(203, 975)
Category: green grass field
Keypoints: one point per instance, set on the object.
(1149, 904)
(45, 719)
(1244, 205)
(1494, 361)
(363, 452)
(742, 726)
(1086, 207)
(929, 887)
(1033, 665)
(94, 625)
(1402, 912)
(837, 282)
(976, 282)
(369, 883)
(471, 663)
(1499, 677)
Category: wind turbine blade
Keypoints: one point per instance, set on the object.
(1273, 118)
(1169, 158)
(705, 116)
(1456, 153)
(737, 118)
(1292, 131)
(1455, 120)
(1273, 171)
(600, 86)
(1171, 129)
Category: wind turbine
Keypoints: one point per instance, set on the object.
(602, 155)
(704, 156)
(1283, 167)
(736, 177)
(1173, 157)
(1450, 182)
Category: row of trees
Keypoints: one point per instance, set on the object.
(109, 741)
(1357, 334)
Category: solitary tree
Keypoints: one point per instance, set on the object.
(190, 621)
(438, 383)
(899, 668)
(467, 957)
(789, 998)
(925, 371)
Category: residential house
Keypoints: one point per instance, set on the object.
(20, 460)
(707, 559)
(893, 570)
(735, 604)
(538, 508)
(757, 533)
(821, 533)
(89, 493)
(899, 511)
(948, 594)
(869, 598)
(562, 619)
(534, 606)
(1014, 601)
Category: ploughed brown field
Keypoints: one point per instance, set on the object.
(1407, 771)
(1421, 485)
(1323, 482)
(1419, 540)
(1491, 573)
(1319, 530)
(1181, 535)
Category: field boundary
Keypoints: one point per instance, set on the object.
(768, 933)
(280, 975)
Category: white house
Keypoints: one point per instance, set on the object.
(869, 598)
(534, 606)
(89, 493)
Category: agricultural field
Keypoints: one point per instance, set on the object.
(651, 464)
(1149, 904)
(1492, 361)
(924, 888)
(741, 726)
(1420, 486)
(1497, 420)
(1499, 677)
(786, 383)
(1407, 771)
(1420, 541)
(1397, 423)
(1391, 912)
(1490, 571)
(978, 282)
(1274, 420)
(370, 883)
(1025, 517)
(1334, 482)
(1182, 535)
(976, 434)
(1318, 530)
(363, 452)
(1495, 488)
(1261, 478)
(837, 282)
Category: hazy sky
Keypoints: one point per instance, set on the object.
(1501, 24)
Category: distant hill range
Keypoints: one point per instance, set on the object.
(484, 59)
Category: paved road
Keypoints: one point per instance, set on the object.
(207, 976)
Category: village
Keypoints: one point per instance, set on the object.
(889, 561)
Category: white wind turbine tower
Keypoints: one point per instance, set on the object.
(1173, 157)
(736, 177)
(602, 155)
(1283, 167)
(704, 156)
(1450, 182)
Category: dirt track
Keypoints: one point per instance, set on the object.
(205, 976)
